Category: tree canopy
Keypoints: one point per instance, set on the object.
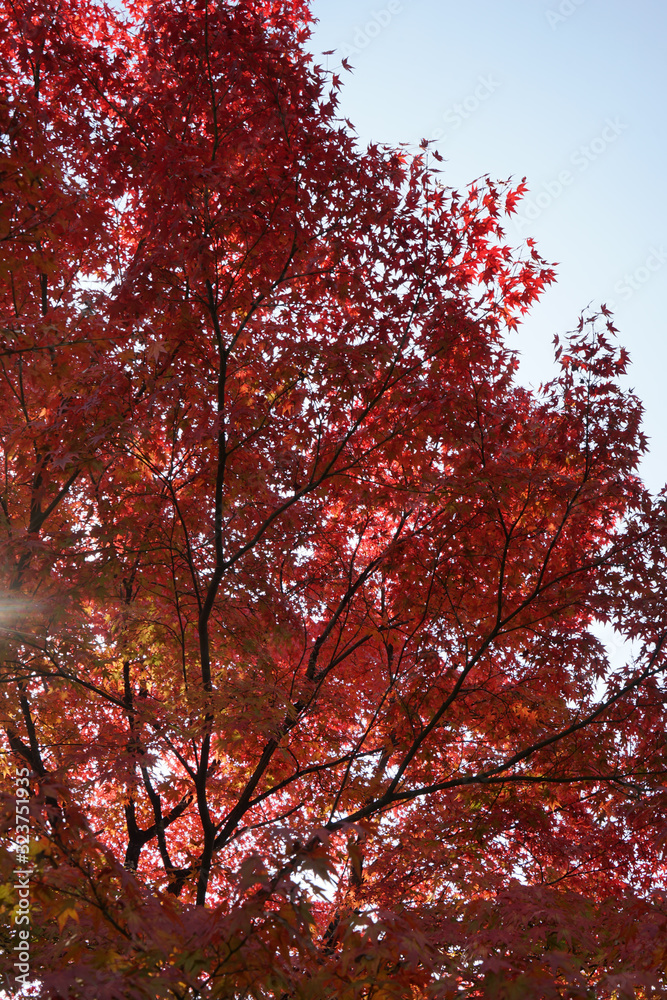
(301, 588)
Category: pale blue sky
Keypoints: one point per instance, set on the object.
(569, 93)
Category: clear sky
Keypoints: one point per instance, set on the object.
(570, 94)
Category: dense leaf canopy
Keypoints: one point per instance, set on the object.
(302, 591)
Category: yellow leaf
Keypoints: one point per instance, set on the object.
(65, 915)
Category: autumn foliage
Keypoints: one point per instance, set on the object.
(302, 591)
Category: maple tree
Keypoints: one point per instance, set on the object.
(300, 585)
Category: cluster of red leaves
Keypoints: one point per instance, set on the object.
(300, 588)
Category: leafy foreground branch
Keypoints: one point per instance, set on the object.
(301, 589)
